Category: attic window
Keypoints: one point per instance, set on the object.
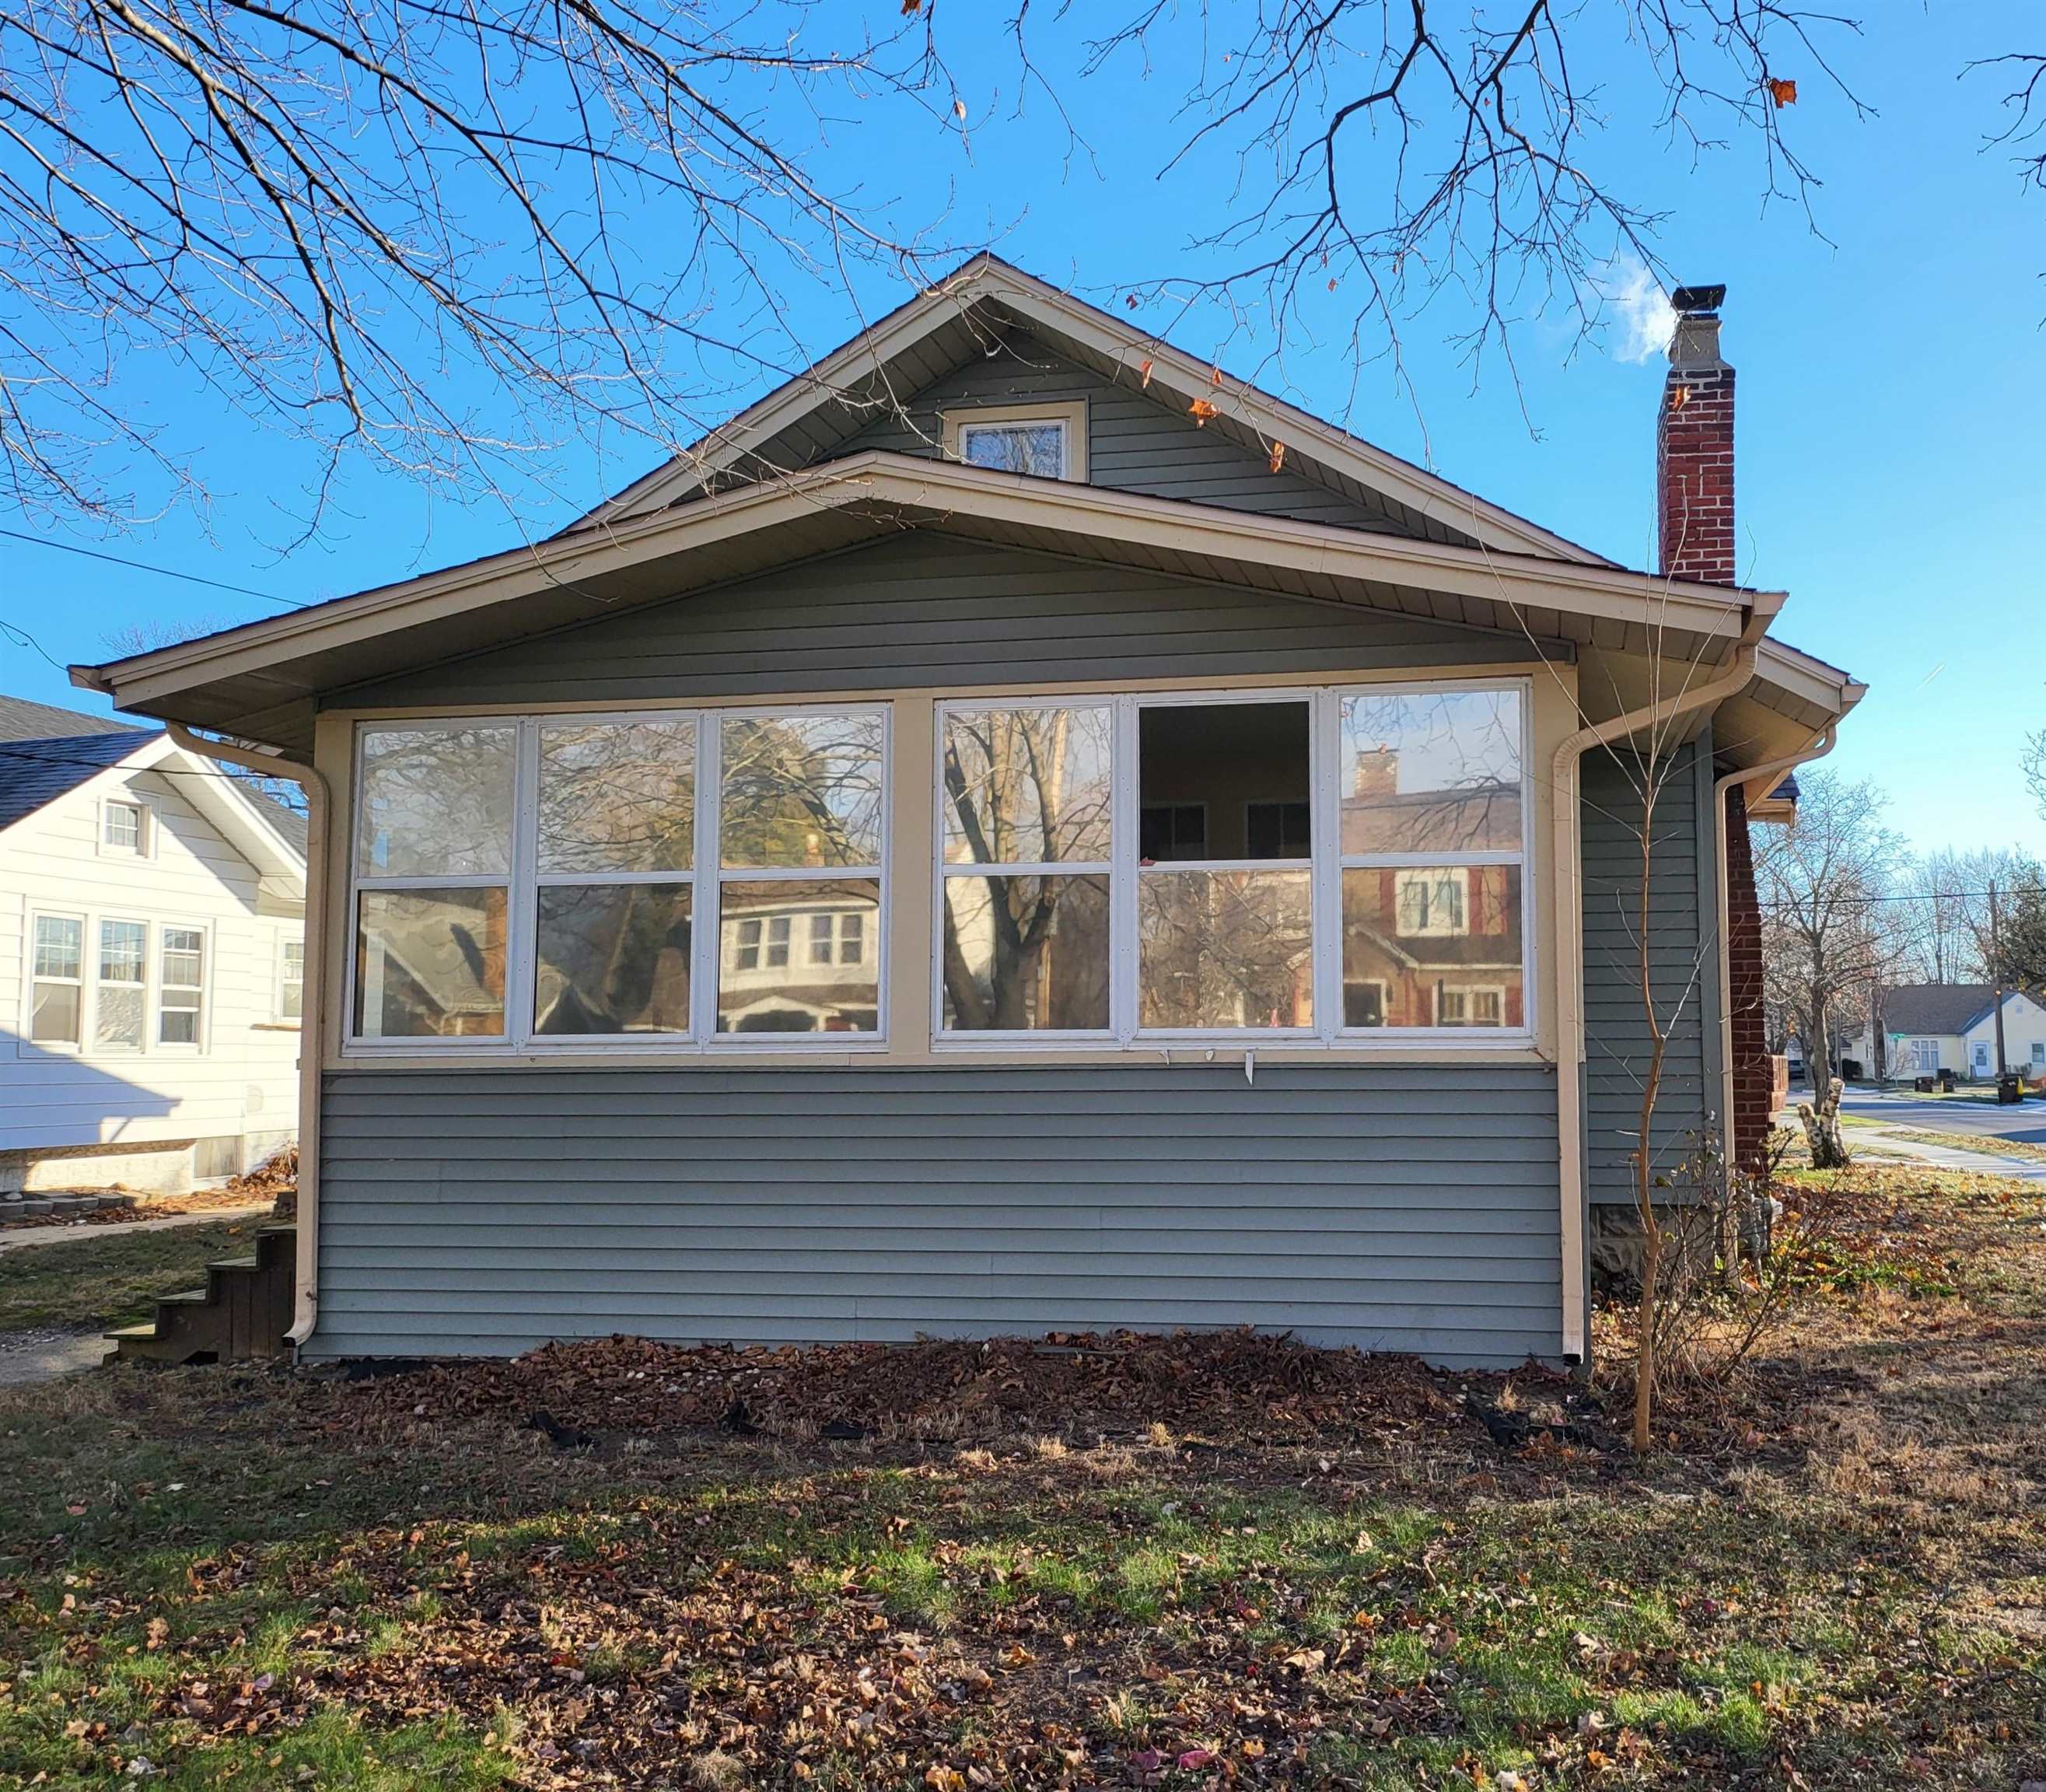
(123, 829)
(1039, 441)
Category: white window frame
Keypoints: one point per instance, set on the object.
(146, 844)
(97, 944)
(1039, 1038)
(285, 942)
(89, 920)
(1325, 867)
(705, 877)
(1071, 413)
(83, 983)
(159, 990)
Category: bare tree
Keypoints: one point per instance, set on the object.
(327, 215)
(1821, 884)
(2034, 763)
(448, 236)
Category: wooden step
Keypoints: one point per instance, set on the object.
(243, 1311)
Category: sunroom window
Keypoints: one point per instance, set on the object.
(1432, 791)
(1025, 796)
(558, 880)
(1225, 935)
(1296, 866)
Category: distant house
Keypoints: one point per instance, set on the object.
(1931, 1027)
(151, 958)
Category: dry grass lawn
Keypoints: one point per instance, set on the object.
(1213, 1564)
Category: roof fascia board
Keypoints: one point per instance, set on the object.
(877, 476)
(1811, 681)
(239, 818)
(986, 277)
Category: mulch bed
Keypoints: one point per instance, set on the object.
(1220, 1385)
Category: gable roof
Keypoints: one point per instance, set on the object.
(1938, 1008)
(34, 772)
(21, 719)
(810, 417)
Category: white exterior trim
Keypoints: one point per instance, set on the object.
(1072, 416)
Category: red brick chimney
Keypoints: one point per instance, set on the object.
(1694, 446)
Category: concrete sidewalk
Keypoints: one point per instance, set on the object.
(1880, 1141)
(32, 1235)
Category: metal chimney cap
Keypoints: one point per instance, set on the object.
(1699, 301)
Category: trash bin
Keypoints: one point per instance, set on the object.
(1946, 1082)
(1922, 1085)
(2010, 1090)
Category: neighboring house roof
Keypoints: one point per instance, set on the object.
(1927, 1009)
(21, 719)
(36, 772)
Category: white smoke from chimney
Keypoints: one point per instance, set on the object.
(1645, 320)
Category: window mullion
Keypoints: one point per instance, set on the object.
(1325, 838)
(1124, 825)
(706, 904)
(522, 899)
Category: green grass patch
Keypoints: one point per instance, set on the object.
(81, 1280)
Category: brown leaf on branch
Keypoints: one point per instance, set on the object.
(1784, 93)
(1144, 369)
(1278, 455)
(1200, 410)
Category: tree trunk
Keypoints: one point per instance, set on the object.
(1821, 1122)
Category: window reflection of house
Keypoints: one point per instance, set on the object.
(800, 959)
(1430, 945)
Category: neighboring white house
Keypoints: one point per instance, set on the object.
(1932, 1027)
(152, 957)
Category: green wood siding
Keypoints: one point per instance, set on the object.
(476, 1211)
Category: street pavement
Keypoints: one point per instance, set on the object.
(2025, 1124)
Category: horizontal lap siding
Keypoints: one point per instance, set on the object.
(927, 610)
(1394, 1208)
(1134, 442)
(1682, 972)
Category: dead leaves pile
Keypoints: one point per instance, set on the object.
(1225, 1386)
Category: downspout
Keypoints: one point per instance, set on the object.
(1767, 773)
(1564, 783)
(312, 1019)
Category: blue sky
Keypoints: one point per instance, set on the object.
(1893, 434)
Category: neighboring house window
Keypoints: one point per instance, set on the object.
(1361, 899)
(1432, 904)
(2039, 1054)
(91, 985)
(123, 828)
(291, 980)
(1483, 1007)
(121, 1000)
(1043, 441)
(559, 879)
(180, 986)
(57, 998)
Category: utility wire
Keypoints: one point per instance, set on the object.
(161, 572)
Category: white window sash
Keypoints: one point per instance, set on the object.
(1325, 867)
(704, 878)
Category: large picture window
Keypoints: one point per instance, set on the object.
(670, 878)
(1289, 865)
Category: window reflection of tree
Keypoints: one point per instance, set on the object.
(1027, 786)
